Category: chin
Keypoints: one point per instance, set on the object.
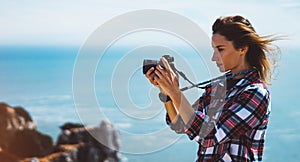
(222, 70)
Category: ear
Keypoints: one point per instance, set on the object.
(244, 50)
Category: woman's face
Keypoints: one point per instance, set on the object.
(226, 56)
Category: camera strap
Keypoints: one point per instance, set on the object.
(228, 75)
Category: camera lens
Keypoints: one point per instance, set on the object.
(147, 64)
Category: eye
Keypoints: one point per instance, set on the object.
(220, 49)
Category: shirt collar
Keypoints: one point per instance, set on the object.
(249, 78)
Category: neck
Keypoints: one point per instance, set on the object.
(244, 67)
(240, 74)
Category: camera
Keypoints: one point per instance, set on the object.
(147, 64)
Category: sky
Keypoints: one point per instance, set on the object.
(69, 23)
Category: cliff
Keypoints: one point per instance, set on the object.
(20, 141)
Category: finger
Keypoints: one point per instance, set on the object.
(167, 65)
(159, 81)
(152, 80)
(162, 84)
(159, 74)
(149, 72)
(173, 74)
(156, 79)
(150, 75)
(161, 70)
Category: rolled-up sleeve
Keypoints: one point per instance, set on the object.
(178, 125)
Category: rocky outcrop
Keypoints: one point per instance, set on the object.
(20, 141)
(11, 121)
(19, 136)
(7, 157)
(29, 143)
(93, 144)
(78, 143)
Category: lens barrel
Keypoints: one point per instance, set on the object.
(147, 64)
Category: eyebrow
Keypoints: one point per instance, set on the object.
(218, 46)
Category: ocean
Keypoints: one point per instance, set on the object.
(40, 79)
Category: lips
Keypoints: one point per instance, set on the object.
(219, 65)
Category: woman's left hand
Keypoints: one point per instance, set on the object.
(166, 79)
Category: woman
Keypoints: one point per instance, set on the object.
(238, 131)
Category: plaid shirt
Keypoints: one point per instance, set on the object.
(239, 133)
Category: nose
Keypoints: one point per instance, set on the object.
(215, 56)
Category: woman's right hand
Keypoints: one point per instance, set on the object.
(150, 75)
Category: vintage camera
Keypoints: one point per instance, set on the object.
(147, 64)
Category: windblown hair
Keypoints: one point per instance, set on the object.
(261, 54)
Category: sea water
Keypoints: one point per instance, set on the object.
(40, 79)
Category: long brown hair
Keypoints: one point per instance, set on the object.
(261, 54)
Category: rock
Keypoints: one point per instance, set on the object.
(19, 136)
(98, 143)
(12, 120)
(7, 157)
(15, 118)
(30, 143)
(84, 144)
(29, 123)
(69, 125)
(20, 141)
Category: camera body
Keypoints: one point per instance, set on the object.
(147, 64)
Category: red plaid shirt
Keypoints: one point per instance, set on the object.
(239, 133)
